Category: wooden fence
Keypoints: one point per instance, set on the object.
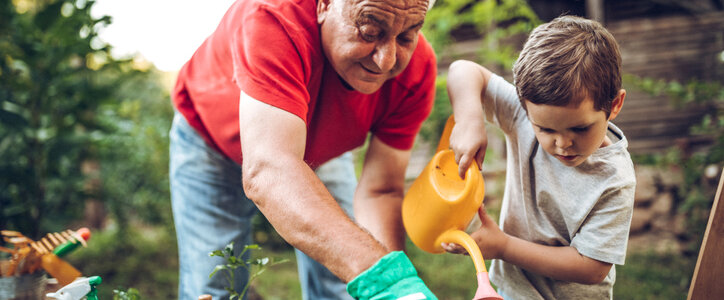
(681, 48)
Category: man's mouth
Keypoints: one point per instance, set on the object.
(371, 70)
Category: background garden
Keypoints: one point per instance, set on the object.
(83, 142)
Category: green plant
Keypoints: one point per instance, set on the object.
(130, 294)
(254, 267)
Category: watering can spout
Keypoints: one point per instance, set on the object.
(485, 290)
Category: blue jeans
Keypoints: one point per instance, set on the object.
(210, 210)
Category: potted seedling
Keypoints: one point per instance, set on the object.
(254, 266)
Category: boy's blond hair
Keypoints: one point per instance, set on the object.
(566, 60)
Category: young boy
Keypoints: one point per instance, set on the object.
(570, 181)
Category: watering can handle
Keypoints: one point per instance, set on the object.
(444, 143)
(463, 239)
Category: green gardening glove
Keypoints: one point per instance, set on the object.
(392, 277)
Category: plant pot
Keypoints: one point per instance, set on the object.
(24, 287)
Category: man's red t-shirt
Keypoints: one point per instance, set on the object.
(271, 49)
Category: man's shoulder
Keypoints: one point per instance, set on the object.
(287, 12)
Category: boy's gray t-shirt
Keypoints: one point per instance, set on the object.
(588, 207)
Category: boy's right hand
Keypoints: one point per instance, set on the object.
(468, 141)
(490, 239)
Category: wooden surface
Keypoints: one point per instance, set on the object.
(672, 47)
(708, 280)
(679, 48)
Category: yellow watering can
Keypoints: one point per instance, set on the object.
(439, 205)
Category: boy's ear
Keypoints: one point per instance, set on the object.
(617, 104)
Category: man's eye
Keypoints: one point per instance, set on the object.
(579, 129)
(406, 38)
(369, 33)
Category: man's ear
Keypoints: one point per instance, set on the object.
(322, 10)
(617, 104)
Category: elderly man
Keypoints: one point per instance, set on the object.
(266, 109)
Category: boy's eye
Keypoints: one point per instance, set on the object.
(579, 129)
(546, 130)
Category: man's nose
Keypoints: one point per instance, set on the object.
(385, 56)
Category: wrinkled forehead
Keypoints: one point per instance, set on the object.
(412, 10)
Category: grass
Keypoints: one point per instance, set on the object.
(649, 275)
(449, 276)
(280, 281)
(153, 269)
(646, 275)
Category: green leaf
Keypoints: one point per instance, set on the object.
(216, 269)
(48, 15)
(12, 120)
(262, 261)
(229, 249)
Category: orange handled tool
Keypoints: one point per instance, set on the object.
(52, 262)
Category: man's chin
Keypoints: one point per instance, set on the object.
(366, 87)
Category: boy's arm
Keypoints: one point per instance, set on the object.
(558, 262)
(466, 85)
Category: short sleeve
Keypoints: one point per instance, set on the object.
(501, 104)
(268, 63)
(604, 234)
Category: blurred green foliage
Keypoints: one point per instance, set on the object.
(490, 23)
(130, 294)
(66, 103)
(49, 96)
(697, 191)
(76, 125)
(142, 257)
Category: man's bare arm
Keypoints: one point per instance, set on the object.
(292, 197)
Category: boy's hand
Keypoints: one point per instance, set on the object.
(491, 240)
(392, 277)
(468, 141)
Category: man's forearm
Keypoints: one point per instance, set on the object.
(301, 209)
(380, 214)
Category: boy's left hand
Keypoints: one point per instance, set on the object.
(489, 238)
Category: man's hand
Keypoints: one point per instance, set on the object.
(392, 277)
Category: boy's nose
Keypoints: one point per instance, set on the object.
(563, 142)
